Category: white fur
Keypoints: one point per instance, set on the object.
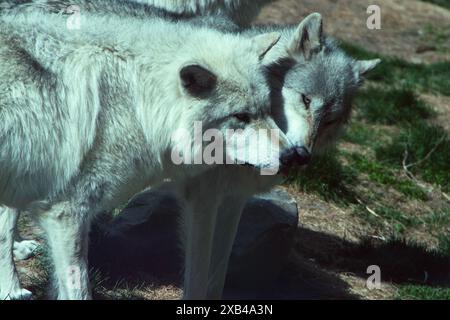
(93, 111)
(25, 249)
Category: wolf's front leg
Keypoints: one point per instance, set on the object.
(229, 215)
(67, 231)
(10, 288)
(198, 232)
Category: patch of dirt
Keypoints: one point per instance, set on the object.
(404, 30)
(322, 216)
(142, 291)
(387, 291)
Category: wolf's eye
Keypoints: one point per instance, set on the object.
(306, 101)
(243, 117)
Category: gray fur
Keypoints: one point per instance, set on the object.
(241, 12)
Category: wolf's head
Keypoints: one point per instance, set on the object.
(226, 92)
(316, 91)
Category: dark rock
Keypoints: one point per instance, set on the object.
(142, 238)
(264, 239)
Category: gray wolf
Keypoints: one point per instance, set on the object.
(87, 117)
(241, 12)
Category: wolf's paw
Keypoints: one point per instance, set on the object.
(19, 294)
(25, 249)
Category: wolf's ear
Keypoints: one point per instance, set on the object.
(308, 36)
(197, 80)
(363, 67)
(263, 43)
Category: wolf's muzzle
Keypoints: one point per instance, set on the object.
(297, 156)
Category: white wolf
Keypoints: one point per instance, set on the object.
(87, 118)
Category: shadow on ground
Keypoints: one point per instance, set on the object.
(311, 272)
(400, 262)
(131, 261)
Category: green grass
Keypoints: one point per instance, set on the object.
(439, 218)
(434, 78)
(391, 106)
(361, 133)
(442, 3)
(401, 220)
(429, 145)
(326, 177)
(444, 241)
(398, 220)
(437, 37)
(384, 175)
(418, 292)
(403, 109)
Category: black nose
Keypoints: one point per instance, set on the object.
(298, 156)
(303, 155)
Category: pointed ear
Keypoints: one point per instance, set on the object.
(263, 43)
(363, 67)
(197, 80)
(308, 36)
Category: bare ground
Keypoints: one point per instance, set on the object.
(404, 24)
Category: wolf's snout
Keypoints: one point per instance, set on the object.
(304, 156)
(298, 156)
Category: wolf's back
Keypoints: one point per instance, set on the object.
(42, 139)
(241, 11)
